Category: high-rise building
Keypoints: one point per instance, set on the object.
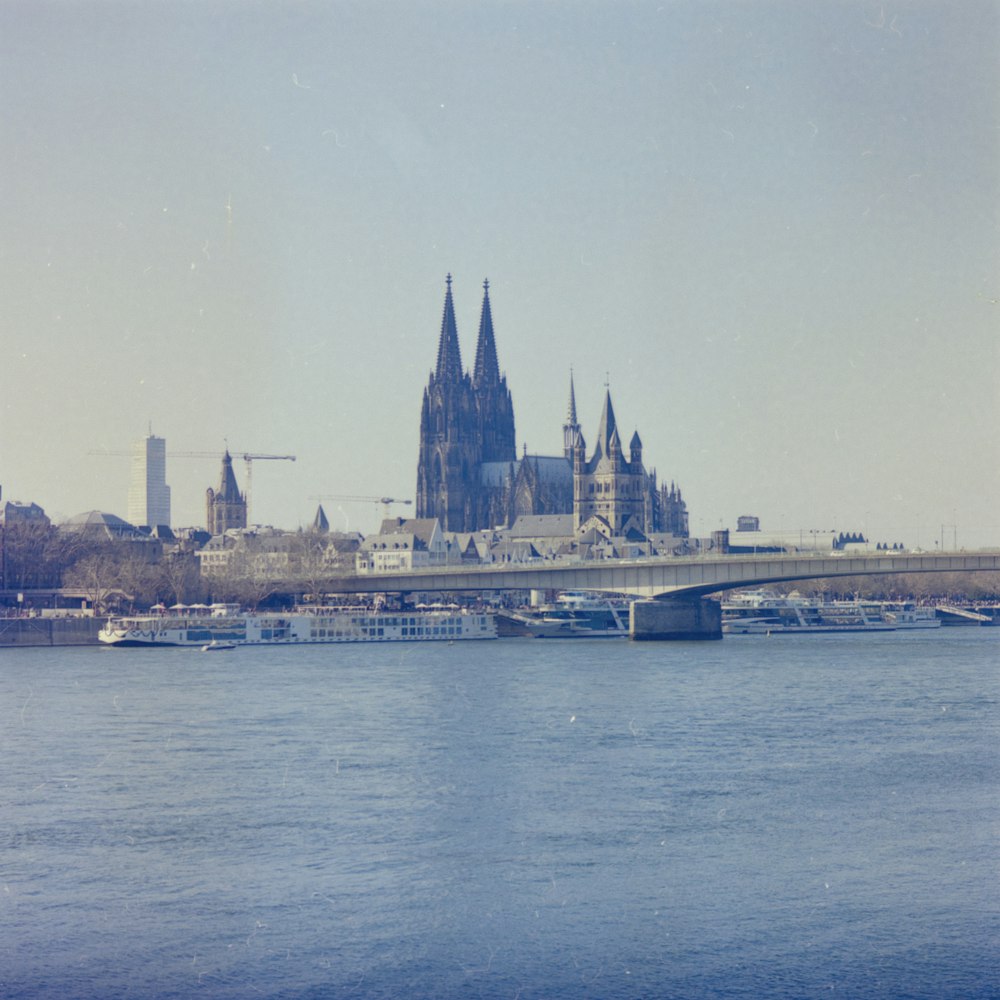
(148, 493)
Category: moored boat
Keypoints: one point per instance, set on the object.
(761, 612)
(909, 615)
(764, 613)
(221, 626)
(575, 614)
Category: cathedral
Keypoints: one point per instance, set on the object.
(470, 477)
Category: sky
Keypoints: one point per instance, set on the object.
(770, 228)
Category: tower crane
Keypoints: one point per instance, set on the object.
(250, 459)
(385, 501)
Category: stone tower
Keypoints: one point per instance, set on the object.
(226, 507)
(610, 485)
(493, 402)
(450, 435)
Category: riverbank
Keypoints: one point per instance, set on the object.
(72, 630)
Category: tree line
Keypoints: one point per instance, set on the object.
(125, 574)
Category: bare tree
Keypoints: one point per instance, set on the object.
(310, 563)
(179, 579)
(35, 554)
(97, 576)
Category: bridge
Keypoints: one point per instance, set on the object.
(671, 590)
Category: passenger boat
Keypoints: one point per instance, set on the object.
(219, 626)
(575, 614)
(909, 615)
(764, 613)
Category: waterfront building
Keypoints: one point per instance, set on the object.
(288, 558)
(148, 492)
(403, 544)
(226, 507)
(470, 478)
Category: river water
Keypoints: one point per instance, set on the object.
(759, 817)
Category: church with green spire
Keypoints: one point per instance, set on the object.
(470, 477)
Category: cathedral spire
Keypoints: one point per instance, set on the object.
(449, 359)
(486, 369)
(571, 429)
(571, 413)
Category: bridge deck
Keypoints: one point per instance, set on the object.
(664, 576)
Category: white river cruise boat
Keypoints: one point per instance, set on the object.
(763, 613)
(576, 614)
(224, 625)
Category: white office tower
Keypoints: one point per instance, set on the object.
(148, 493)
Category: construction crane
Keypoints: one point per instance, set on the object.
(385, 501)
(248, 457)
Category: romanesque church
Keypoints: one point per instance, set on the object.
(469, 475)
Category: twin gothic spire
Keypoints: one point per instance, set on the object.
(486, 370)
(467, 422)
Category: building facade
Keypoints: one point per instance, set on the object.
(148, 492)
(466, 424)
(470, 478)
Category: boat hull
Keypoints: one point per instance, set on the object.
(748, 629)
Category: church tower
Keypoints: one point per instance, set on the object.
(450, 441)
(610, 485)
(493, 402)
(226, 507)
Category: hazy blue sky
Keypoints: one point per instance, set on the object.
(772, 226)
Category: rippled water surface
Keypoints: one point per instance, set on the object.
(789, 817)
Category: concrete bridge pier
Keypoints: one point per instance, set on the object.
(674, 618)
